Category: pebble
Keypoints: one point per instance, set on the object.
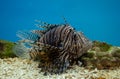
(16, 68)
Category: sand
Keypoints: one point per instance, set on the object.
(17, 68)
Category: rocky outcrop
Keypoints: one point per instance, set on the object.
(102, 56)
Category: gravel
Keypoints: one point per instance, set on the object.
(16, 68)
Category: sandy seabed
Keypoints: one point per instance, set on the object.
(16, 68)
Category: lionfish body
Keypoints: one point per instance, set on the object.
(57, 47)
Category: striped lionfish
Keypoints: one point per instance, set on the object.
(57, 46)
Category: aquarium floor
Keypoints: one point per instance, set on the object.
(16, 68)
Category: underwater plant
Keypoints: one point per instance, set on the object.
(101, 45)
(6, 49)
(56, 46)
(102, 56)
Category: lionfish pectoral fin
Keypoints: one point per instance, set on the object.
(21, 50)
(25, 35)
(48, 46)
(79, 63)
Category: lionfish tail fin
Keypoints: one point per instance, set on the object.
(21, 50)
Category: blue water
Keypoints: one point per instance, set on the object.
(98, 19)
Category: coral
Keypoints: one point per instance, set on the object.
(6, 49)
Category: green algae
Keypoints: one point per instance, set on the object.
(89, 54)
(116, 53)
(6, 49)
(102, 56)
(102, 46)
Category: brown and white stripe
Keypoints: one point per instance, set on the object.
(62, 43)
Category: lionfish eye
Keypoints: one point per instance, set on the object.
(70, 30)
(75, 35)
(67, 31)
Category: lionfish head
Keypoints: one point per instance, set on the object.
(86, 44)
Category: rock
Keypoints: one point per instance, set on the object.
(98, 64)
(102, 56)
(116, 53)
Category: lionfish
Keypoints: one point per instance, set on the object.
(56, 46)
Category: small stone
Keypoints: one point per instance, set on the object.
(21, 69)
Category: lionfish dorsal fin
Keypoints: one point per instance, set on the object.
(39, 32)
(46, 26)
(65, 21)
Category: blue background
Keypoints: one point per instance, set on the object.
(98, 19)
